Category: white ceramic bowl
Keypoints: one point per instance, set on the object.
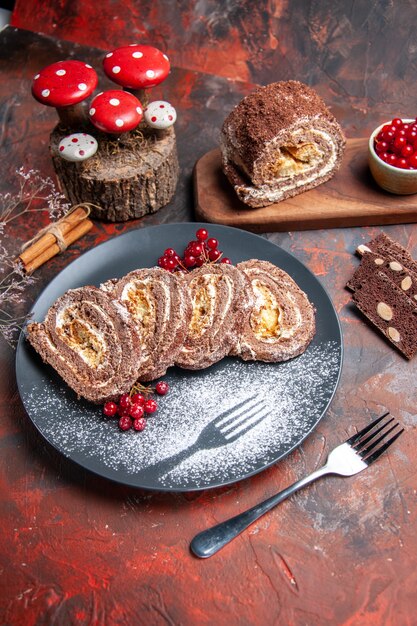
(390, 178)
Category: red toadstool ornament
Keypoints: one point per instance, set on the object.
(115, 111)
(137, 68)
(65, 85)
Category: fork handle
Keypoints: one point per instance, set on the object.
(210, 541)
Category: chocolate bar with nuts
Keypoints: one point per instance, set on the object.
(389, 309)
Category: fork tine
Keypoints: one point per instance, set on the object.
(362, 442)
(352, 440)
(242, 429)
(363, 452)
(371, 458)
(242, 417)
(228, 415)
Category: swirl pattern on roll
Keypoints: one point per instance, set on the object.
(160, 305)
(221, 298)
(279, 141)
(281, 323)
(91, 341)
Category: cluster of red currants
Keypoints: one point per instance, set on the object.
(132, 407)
(396, 144)
(202, 250)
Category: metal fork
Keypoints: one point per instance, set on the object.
(349, 458)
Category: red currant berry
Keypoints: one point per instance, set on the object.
(124, 401)
(122, 410)
(138, 398)
(402, 163)
(412, 161)
(136, 411)
(171, 264)
(162, 388)
(384, 156)
(392, 160)
(139, 424)
(214, 255)
(381, 146)
(399, 143)
(199, 262)
(197, 249)
(189, 260)
(226, 260)
(169, 252)
(201, 234)
(125, 422)
(397, 122)
(212, 243)
(150, 406)
(407, 151)
(162, 262)
(110, 409)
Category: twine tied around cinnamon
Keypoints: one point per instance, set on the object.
(56, 237)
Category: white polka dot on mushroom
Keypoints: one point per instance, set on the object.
(92, 111)
(89, 66)
(114, 102)
(109, 54)
(119, 123)
(115, 69)
(36, 77)
(137, 55)
(150, 73)
(60, 72)
(45, 93)
(82, 86)
(139, 110)
(165, 57)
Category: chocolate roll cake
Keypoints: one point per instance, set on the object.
(404, 278)
(221, 300)
(91, 341)
(160, 305)
(282, 321)
(279, 141)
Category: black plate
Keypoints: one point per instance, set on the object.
(165, 456)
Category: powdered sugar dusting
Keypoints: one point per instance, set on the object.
(181, 448)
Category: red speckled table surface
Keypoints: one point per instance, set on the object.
(76, 549)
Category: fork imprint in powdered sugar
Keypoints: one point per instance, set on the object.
(223, 430)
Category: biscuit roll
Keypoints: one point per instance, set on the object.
(221, 298)
(279, 141)
(91, 342)
(160, 305)
(281, 323)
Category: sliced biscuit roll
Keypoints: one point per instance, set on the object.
(221, 298)
(160, 305)
(279, 141)
(91, 342)
(281, 323)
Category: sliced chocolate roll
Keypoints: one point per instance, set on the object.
(279, 141)
(160, 304)
(282, 321)
(91, 342)
(221, 299)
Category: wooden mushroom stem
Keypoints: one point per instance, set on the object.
(73, 116)
(141, 95)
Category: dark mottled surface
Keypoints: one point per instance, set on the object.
(75, 549)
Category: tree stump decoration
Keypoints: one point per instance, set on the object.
(135, 169)
(127, 177)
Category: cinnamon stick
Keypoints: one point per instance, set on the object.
(72, 235)
(46, 241)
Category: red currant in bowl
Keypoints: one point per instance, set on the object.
(392, 155)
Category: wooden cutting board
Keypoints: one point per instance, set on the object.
(350, 198)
